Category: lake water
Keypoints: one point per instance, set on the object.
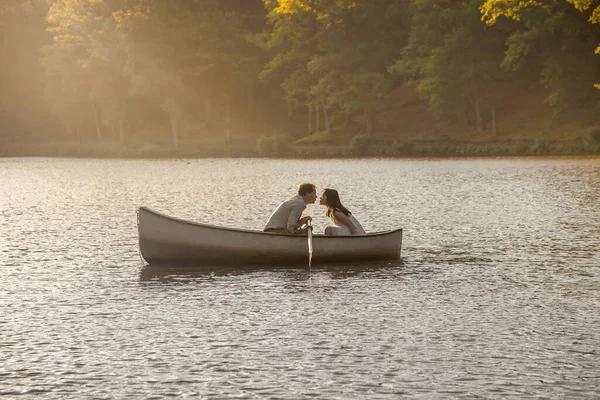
(497, 294)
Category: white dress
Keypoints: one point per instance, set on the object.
(339, 229)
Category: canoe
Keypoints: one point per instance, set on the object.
(165, 239)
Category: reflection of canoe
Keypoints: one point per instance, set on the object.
(183, 273)
(165, 239)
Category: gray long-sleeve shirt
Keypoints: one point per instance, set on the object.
(287, 214)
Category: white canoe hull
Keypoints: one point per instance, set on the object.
(165, 239)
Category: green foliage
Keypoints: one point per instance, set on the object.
(22, 33)
(361, 144)
(336, 53)
(594, 134)
(540, 145)
(591, 139)
(132, 65)
(265, 145)
(274, 145)
(561, 36)
(453, 56)
(123, 56)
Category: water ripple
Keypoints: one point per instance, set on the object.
(496, 295)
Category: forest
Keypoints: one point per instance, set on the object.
(299, 77)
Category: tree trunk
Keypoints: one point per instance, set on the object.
(121, 131)
(227, 120)
(69, 127)
(97, 119)
(369, 121)
(289, 108)
(187, 127)
(347, 120)
(478, 116)
(373, 123)
(494, 125)
(78, 135)
(326, 117)
(318, 119)
(174, 128)
(207, 109)
(310, 119)
(140, 118)
(251, 98)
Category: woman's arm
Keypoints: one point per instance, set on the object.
(343, 219)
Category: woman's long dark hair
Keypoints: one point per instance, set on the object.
(334, 203)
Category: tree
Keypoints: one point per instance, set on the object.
(335, 54)
(454, 58)
(291, 42)
(358, 41)
(560, 34)
(23, 111)
(85, 65)
(114, 60)
(186, 51)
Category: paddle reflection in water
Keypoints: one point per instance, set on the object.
(309, 232)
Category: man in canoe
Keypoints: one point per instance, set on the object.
(287, 217)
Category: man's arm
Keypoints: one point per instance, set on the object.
(293, 221)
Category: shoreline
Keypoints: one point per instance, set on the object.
(243, 149)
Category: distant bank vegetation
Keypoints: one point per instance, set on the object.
(300, 77)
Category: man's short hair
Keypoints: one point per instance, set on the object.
(305, 188)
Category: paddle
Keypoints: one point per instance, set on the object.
(309, 229)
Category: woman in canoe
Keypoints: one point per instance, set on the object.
(344, 223)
